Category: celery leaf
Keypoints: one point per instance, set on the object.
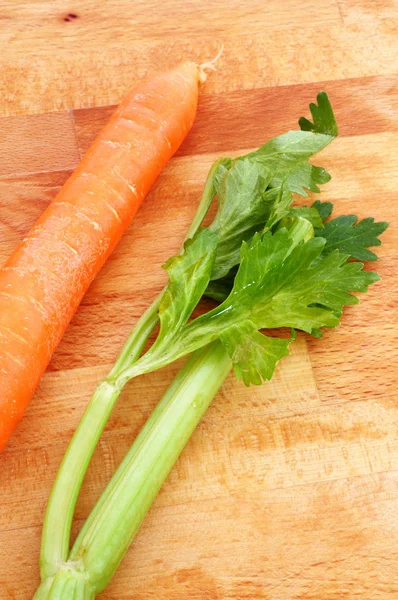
(189, 274)
(254, 355)
(324, 121)
(353, 237)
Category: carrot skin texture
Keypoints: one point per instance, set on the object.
(44, 280)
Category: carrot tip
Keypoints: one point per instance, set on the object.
(210, 65)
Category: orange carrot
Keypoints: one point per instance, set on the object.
(43, 282)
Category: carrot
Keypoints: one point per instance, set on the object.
(43, 282)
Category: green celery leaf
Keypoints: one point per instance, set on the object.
(223, 168)
(299, 229)
(307, 212)
(283, 292)
(228, 252)
(304, 177)
(310, 295)
(255, 190)
(323, 118)
(264, 255)
(280, 284)
(284, 152)
(219, 289)
(254, 355)
(280, 208)
(324, 208)
(353, 237)
(317, 333)
(189, 274)
(244, 205)
(286, 158)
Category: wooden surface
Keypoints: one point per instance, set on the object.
(285, 492)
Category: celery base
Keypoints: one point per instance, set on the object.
(67, 584)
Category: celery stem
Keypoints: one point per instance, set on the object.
(61, 505)
(114, 521)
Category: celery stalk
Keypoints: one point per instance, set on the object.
(111, 526)
(61, 505)
(113, 523)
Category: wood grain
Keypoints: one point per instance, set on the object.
(35, 144)
(360, 40)
(152, 20)
(288, 491)
(222, 124)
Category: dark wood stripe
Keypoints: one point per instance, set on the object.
(248, 118)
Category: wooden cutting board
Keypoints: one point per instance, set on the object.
(285, 492)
